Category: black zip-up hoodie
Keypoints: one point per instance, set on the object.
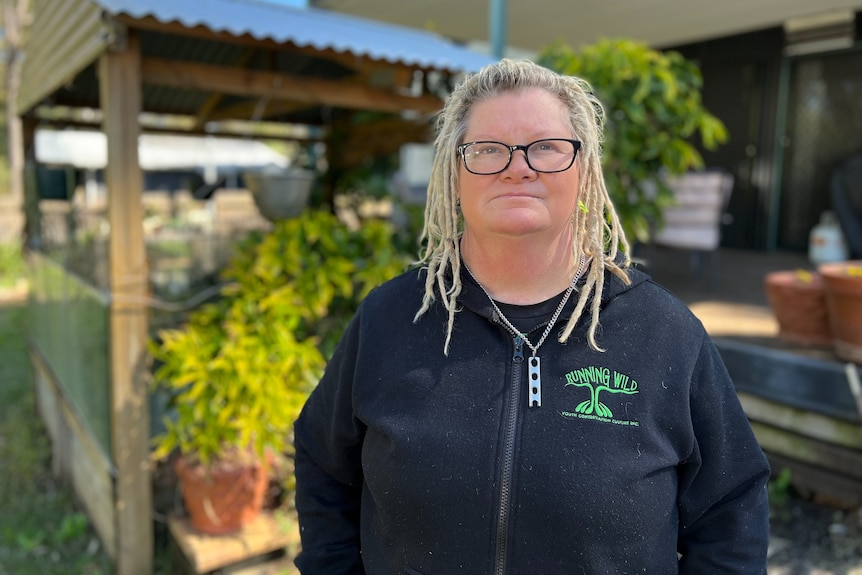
(639, 459)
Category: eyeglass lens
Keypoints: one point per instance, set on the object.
(551, 155)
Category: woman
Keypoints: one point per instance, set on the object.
(478, 418)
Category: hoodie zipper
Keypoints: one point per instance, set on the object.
(504, 511)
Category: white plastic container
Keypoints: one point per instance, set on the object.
(826, 242)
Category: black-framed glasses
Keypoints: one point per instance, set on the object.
(549, 155)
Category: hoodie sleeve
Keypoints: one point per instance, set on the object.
(724, 511)
(328, 441)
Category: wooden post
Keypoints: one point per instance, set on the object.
(14, 24)
(32, 232)
(120, 93)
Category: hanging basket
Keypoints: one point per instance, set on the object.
(798, 301)
(843, 287)
(280, 195)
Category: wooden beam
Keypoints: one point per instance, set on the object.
(381, 139)
(246, 110)
(205, 111)
(208, 78)
(120, 95)
(32, 218)
(63, 124)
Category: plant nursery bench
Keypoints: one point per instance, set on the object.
(270, 536)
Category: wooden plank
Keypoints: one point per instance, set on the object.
(802, 380)
(832, 488)
(92, 475)
(268, 532)
(278, 566)
(76, 455)
(120, 96)
(257, 83)
(47, 399)
(841, 460)
(803, 422)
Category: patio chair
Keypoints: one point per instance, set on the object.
(695, 220)
(846, 191)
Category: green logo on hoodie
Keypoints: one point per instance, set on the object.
(599, 379)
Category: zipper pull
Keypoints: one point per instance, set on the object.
(519, 349)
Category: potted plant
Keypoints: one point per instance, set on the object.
(239, 370)
(798, 301)
(843, 287)
(653, 110)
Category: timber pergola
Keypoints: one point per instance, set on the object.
(205, 62)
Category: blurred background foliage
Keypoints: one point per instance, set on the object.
(654, 117)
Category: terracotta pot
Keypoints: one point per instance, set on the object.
(222, 498)
(798, 301)
(843, 286)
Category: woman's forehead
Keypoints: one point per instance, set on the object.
(533, 111)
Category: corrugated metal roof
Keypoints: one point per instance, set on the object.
(64, 39)
(308, 27)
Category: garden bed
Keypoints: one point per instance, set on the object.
(803, 412)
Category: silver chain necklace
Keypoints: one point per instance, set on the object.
(534, 376)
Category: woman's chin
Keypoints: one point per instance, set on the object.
(520, 222)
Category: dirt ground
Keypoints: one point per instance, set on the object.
(812, 539)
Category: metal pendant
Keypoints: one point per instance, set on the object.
(534, 382)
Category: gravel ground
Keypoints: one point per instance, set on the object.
(812, 539)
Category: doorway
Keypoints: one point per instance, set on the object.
(824, 127)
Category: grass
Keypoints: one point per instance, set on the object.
(12, 265)
(42, 529)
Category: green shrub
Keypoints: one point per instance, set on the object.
(653, 111)
(239, 371)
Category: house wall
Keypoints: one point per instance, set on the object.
(741, 86)
(823, 129)
(791, 121)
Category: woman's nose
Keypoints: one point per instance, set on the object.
(519, 165)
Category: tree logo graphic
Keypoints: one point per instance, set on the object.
(597, 380)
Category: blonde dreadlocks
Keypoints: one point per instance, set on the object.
(597, 231)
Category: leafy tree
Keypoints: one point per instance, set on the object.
(653, 111)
